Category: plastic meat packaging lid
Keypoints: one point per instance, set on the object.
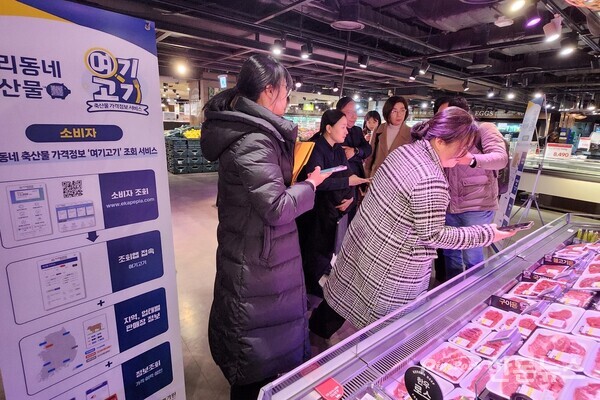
(450, 362)
(510, 379)
(577, 298)
(589, 325)
(585, 388)
(464, 337)
(469, 382)
(560, 317)
(492, 317)
(461, 394)
(524, 328)
(491, 350)
(521, 288)
(588, 282)
(592, 367)
(559, 349)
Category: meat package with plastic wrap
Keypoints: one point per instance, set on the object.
(450, 362)
(588, 392)
(518, 371)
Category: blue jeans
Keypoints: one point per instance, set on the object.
(455, 258)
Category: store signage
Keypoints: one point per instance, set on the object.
(517, 162)
(223, 81)
(584, 143)
(421, 384)
(308, 107)
(330, 390)
(558, 151)
(88, 298)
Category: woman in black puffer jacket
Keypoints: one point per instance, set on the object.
(257, 326)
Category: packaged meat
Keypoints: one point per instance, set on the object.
(509, 322)
(522, 289)
(592, 368)
(526, 325)
(588, 282)
(545, 284)
(589, 325)
(491, 349)
(492, 318)
(583, 389)
(593, 268)
(577, 298)
(550, 270)
(522, 375)
(572, 251)
(450, 362)
(460, 394)
(560, 317)
(470, 336)
(558, 349)
(479, 377)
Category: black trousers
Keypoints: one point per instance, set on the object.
(249, 391)
(324, 321)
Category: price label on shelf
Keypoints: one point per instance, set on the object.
(555, 323)
(559, 151)
(589, 331)
(572, 359)
(461, 341)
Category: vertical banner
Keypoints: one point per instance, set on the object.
(517, 162)
(88, 297)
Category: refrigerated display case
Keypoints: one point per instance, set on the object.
(371, 363)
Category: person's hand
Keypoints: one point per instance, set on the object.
(355, 180)
(316, 177)
(500, 235)
(349, 151)
(466, 159)
(344, 204)
(368, 137)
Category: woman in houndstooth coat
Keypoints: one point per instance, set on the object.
(385, 260)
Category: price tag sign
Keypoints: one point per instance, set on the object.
(421, 385)
(559, 151)
(330, 390)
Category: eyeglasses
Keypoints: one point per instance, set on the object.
(401, 111)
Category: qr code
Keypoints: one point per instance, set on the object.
(72, 189)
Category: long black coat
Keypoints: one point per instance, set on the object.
(257, 326)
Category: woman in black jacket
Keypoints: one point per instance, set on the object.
(317, 228)
(257, 326)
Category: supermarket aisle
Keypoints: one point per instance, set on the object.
(194, 235)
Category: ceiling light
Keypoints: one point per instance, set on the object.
(335, 88)
(298, 82)
(568, 46)
(538, 94)
(413, 74)
(465, 85)
(278, 46)
(517, 5)
(424, 104)
(510, 95)
(423, 67)
(532, 17)
(553, 29)
(490, 93)
(508, 82)
(356, 97)
(181, 68)
(548, 105)
(319, 92)
(359, 110)
(306, 50)
(363, 60)
(370, 99)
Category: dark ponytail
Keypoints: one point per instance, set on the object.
(258, 72)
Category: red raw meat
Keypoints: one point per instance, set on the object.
(496, 346)
(594, 268)
(401, 392)
(523, 287)
(540, 286)
(550, 270)
(593, 322)
(471, 334)
(542, 345)
(589, 282)
(580, 297)
(589, 392)
(481, 379)
(596, 370)
(563, 315)
(531, 374)
(494, 316)
(448, 355)
(527, 323)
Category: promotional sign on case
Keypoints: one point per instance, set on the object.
(88, 299)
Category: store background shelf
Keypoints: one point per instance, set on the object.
(184, 156)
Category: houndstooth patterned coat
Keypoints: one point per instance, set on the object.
(385, 260)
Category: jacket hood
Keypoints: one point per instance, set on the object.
(222, 128)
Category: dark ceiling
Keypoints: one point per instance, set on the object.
(453, 35)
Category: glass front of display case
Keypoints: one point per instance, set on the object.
(455, 331)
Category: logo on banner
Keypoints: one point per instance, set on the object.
(118, 88)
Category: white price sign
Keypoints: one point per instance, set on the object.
(558, 151)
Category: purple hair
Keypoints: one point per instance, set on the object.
(450, 125)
